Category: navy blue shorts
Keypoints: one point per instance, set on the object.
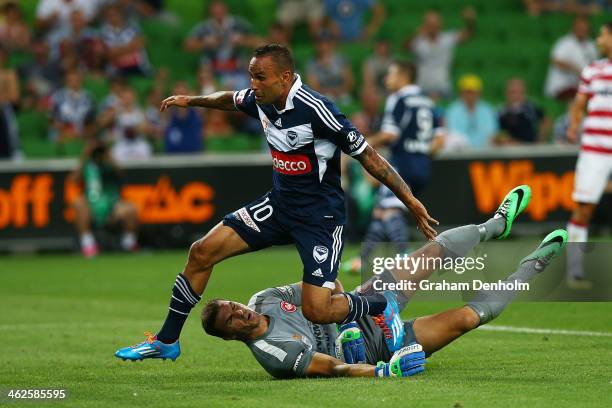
(319, 241)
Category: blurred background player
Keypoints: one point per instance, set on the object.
(411, 129)
(100, 204)
(594, 164)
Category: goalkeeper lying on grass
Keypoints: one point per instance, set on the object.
(287, 345)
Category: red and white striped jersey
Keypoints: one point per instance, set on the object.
(596, 83)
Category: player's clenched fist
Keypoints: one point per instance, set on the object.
(176, 100)
(407, 361)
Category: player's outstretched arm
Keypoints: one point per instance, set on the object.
(323, 365)
(381, 170)
(222, 100)
(405, 362)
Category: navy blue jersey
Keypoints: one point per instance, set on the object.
(412, 117)
(305, 140)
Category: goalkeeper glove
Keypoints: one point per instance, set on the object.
(407, 361)
(350, 346)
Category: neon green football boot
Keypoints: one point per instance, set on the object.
(513, 204)
(550, 247)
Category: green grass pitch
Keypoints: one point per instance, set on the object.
(63, 317)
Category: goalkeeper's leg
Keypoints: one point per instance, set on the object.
(436, 331)
(458, 242)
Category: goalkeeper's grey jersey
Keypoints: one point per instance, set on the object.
(286, 349)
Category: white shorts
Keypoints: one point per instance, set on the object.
(592, 173)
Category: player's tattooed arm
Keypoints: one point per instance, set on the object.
(381, 170)
(222, 100)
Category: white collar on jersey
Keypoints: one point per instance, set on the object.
(294, 88)
(409, 90)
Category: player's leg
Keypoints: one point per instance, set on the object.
(458, 242)
(592, 173)
(388, 224)
(127, 214)
(220, 243)
(436, 331)
(82, 221)
(588, 187)
(453, 243)
(320, 247)
(578, 230)
(250, 228)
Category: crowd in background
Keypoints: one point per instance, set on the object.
(74, 39)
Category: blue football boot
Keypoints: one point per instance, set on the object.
(390, 323)
(150, 348)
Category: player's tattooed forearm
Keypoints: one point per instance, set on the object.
(223, 100)
(380, 169)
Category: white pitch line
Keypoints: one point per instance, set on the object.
(533, 330)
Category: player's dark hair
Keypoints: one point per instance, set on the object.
(209, 317)
(407, 68)
(608, 25)
(279, 53)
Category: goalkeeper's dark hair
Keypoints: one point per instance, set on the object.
(279, 53)
(406, 67)
(209, 316)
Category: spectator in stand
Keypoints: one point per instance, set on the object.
(359, 185)
(221, 39)
(128, 129)
(561, 125)
(41, 77)
(292, 12)
(375, 67)
(277, 34)
(9, 98)
(14, 32)
(100, 203)
(112, 101)
(570, 54)
(152, 114)
(53, 15)
(349, 15)
(369, 118)
(536, 8)
(434, 51)
(329, 74)
(328, 29)
(136, 10)
(125, 45)
(184, 129)
(83, 41)
(520, 120)
(72, 111)
(470, 117)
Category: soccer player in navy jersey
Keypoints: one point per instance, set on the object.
(305, 207)
(411, 129)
